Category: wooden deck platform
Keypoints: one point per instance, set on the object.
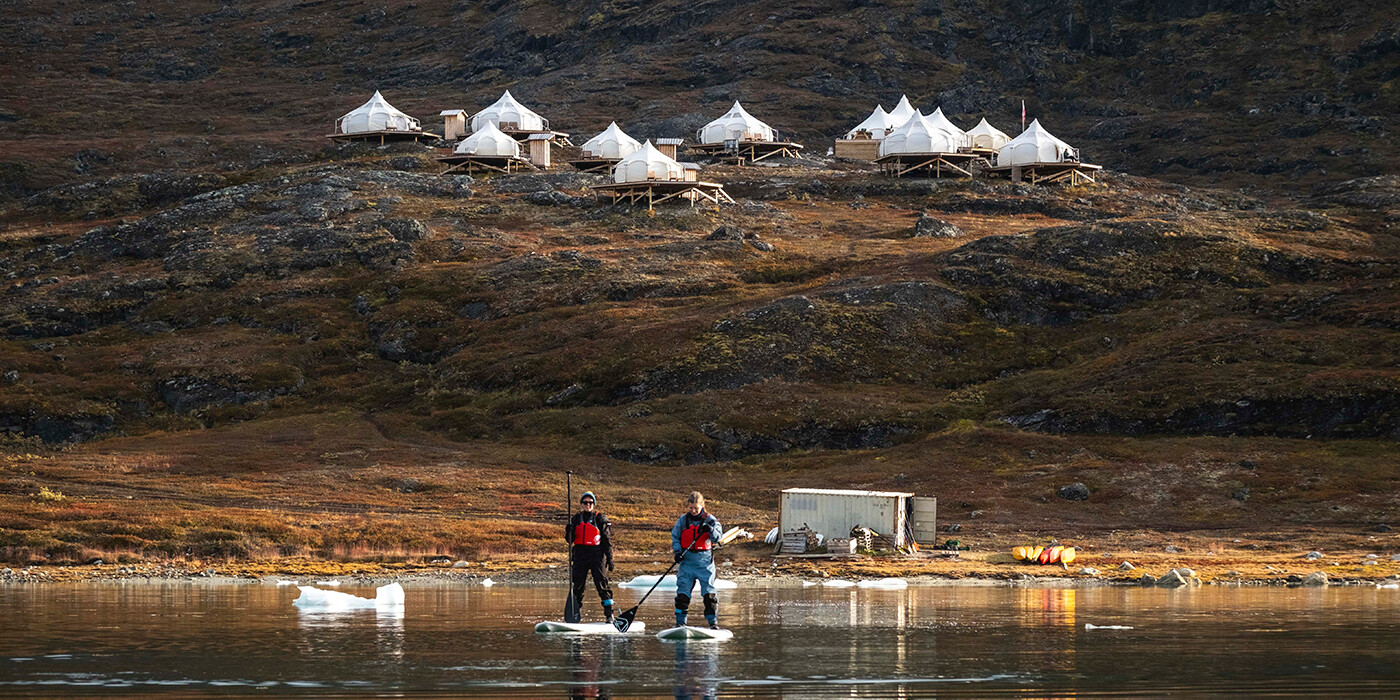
(654, 192)
(558, 137)
(927, 164)
(745, 152)
(1044, 173)
(386, 136)
(594, 165)
(471, 164)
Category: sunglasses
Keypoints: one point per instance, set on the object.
(587, 503)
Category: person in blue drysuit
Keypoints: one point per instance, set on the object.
(698, 532)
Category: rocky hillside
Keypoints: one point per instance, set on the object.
(1255, 92)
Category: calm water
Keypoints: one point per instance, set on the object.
(186, 639)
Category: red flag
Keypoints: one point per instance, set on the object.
(1023, 115)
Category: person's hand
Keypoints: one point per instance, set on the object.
(678, 553)
(609, 566)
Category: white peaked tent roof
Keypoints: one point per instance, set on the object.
(902, 112)
(376, 115)
(489, 141)
(984, 135)
(941, 121)
(736, 124)
(877, 123)
(612, 143)
(507, 110)
(1034, 145)
(919, 135)
(647, 164)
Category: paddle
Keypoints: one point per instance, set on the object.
(571, 611)
(624, 620)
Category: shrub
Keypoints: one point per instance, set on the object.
(47, 494)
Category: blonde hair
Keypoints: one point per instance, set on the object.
(696, 498)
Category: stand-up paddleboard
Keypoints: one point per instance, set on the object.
(587, 627)
(677, 634)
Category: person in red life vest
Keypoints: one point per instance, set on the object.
(699, 528)
(590, 535)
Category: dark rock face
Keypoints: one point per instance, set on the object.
(732, 443)
(59, 428)
(929, 227)
(1073, 492)
(186, 394)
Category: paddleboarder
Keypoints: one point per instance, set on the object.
(696, 530)
(590, 536)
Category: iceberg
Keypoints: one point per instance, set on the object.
(670, 582)
(1088, 626)
(889, 584)
(487, 583)
(333, 582)
(285, 582)
(312, 598)
(839, 583)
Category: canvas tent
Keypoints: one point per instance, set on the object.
(645, 164)
(489, 141)
(877, 124)
(736, 125)
(919, 135)
(375, 115)
(902, 112)
(508, 114)
(985, 135)
(941, 122)
(1035, 145)
(611, 144)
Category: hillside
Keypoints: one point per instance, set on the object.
(221, 337)
(1242, 92)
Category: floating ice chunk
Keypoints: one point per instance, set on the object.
(670, 582)
(312, 598)
(839, 583)
(1388, 585)
(333, 582)
(892, 584)
(487, 583)
(285, 582)
(1088, 626)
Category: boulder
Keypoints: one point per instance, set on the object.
(1074, 492)
(1312, 556)
(726, 233)
(1172, 579)
(1316, 578)
(1148, 580)
(461, 564)
(1089, 571)
(1126, 566)
(929, 227)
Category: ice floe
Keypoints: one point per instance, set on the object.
(285, 582)
(839, 583)
(1088, 626)
(312, 598)
(670, 582)
(488, 583)
(333, 582)
(889, 584)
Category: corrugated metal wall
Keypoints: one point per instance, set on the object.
(834, 515)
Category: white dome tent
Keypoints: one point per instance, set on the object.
(487, 149)
(740, 137)
(877, 125)
(1038, 156)
(489, 141)
(736, 125)
(1035, 145)
(647, 163)
(509, 115)
(604, 150)
(920, 135)
(941, 121)
(902, 112)
(651, 177)
(377, 119)
(922, 148)
(986, 136)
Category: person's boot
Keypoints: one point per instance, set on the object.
(682, 609)
(608, 611)
(712, 611)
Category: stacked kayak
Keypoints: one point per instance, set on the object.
(1044, 555)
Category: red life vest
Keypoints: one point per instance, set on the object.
(690, 533)
(585, 532)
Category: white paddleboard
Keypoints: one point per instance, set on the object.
(698, 633)
(588, 627)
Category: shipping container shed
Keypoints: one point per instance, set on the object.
(895, 515)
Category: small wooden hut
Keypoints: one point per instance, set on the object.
(454, 124)
(649, 176)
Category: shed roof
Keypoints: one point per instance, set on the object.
(850, 492)
(451, 112)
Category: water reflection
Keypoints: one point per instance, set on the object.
(697, 670)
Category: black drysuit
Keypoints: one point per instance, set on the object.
(582, 532)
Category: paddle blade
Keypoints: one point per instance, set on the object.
(571, 611)
(624, 621)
